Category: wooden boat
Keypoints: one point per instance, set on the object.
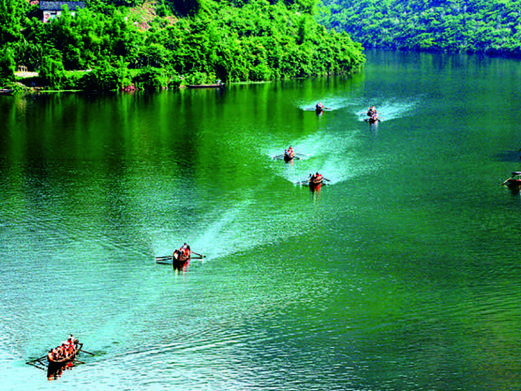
(314, 182)
(288, 157)
(215, 85)
(514, 181)
(5, 91)
(56, 364)
(180, 260)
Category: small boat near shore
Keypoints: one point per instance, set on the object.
(214, 85)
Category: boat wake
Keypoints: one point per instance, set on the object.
(389, 109)
(334, 155)
(331, 103)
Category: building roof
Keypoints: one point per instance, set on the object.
(57, 5)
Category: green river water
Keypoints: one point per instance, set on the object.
(400, 274)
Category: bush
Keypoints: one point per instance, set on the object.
(155, 78)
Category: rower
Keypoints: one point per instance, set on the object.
(185, 249)
(290, 151)
(372, 113)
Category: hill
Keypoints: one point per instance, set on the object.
(472, 26)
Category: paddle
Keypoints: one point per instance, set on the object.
(201, 255)
(329, 180)
(36, 360)
(84, 351)
(164, 258)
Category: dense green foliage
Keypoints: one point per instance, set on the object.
(155, 45)
(474, 26)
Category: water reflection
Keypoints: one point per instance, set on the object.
(55, 372)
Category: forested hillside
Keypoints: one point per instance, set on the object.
(485, 26)
(157, 44)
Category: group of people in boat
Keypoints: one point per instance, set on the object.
(183, 253)
(316, 178)
(289, 153)
(319, 106)
(67, 350)
(372, 114)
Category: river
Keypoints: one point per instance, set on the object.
(399, 274)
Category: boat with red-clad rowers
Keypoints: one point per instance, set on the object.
(319, 108)
(289, 154)
(316, 180)
(181, 257)
(373, 115)
(63, 355)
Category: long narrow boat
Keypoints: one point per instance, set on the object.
(215, 85)
(56, 364)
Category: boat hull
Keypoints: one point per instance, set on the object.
(57, 365)
(513, 183)
(179, 260)
(205, 85)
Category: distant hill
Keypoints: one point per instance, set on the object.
(473, 26)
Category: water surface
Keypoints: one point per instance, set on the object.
(399, 274)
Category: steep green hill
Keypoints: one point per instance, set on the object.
(154, 44)
(485, 26)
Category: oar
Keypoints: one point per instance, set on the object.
(84, 351)
(329, 180)
(32, 362)
(164, 258)
(201, 255)
(164, 261)
(278, 157)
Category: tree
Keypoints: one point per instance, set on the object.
(7, 65)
